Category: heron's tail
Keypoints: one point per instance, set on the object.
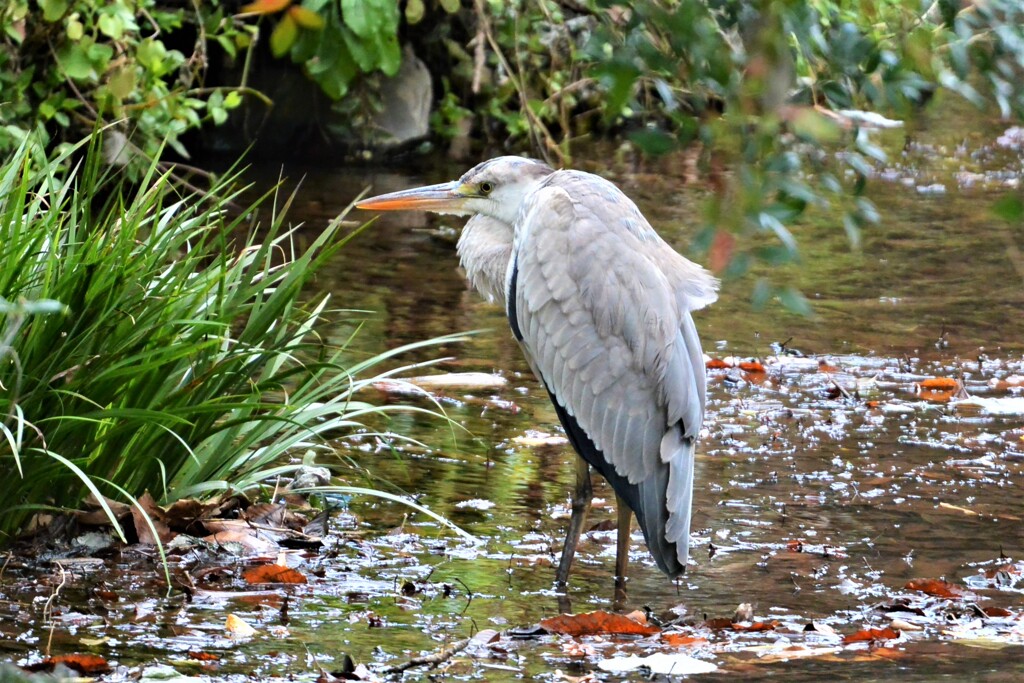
(663, 512)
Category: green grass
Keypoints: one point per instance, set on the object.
(151, 341)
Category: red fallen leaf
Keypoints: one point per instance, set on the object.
(873, 404)
(751, 366)
(681, 640)
(795, 546)
(88, 665)
(716, 364)
(996, 612)
(273, 573)
(936, 588)
(204, 656)
(756, 626)
(597, 623)
(825, 367)
(869, 634)
(938, 384)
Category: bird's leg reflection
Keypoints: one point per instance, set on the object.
(622, 552)
(581, 496)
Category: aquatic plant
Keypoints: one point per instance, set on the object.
(152, 341)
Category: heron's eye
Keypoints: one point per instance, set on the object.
(486, 188)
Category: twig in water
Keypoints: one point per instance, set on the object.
(431, 660)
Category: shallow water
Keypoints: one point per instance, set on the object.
(814, 504)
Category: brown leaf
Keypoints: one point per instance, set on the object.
(870, 634)
(204, 656)
(752, 366)
(756, 626)
(597, 623)
(237, 627)
(938, 384)
(87, 665)
(681, 640)
(156, 516)
(272, 573)
(936, 587)
(996, 612)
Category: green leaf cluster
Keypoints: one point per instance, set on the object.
(151, 341)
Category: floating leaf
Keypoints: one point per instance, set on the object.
(597, 623)
(936, 587)
(681, 639)
(937, 383)
(87, 665)
(272, 573)
(871, 634)
(238, 628)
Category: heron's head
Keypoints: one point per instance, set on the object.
(494, 188)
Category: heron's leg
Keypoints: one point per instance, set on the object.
(581, 496)
(622, 548)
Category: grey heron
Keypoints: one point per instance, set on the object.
(600, 305)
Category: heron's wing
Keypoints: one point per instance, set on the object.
(603, 327)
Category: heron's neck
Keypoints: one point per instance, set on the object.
(485, 247)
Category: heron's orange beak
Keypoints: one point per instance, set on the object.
(444, 198)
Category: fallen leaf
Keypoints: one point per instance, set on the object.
(938, 384)
(238, 628)
(148, 519)
(716, 364)
(660, 663)
(272, 573)
(936, 588)
(87, 665)
(204, 656)
(681, 639)
(597, 623)
(870, 634)
(751, 366)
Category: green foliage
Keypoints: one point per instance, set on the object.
(82, 65)
(79, 65)
(766, 85)
(154, 342)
